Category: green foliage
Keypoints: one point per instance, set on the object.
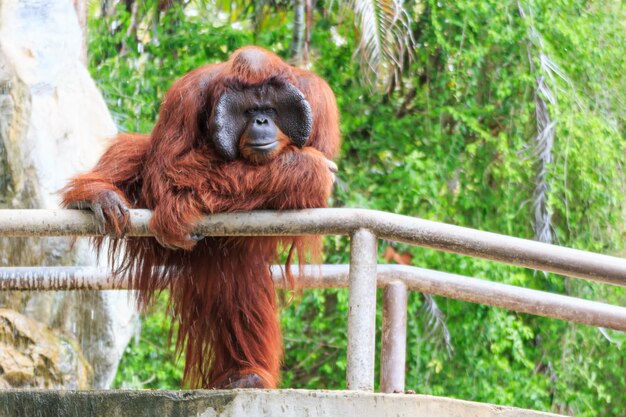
(150, 360)
(453, 144)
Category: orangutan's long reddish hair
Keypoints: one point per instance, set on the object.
(221, 289)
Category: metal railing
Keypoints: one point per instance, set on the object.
(363, 274)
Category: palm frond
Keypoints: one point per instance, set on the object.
(546, 74)
(435, 324)
(385, 38)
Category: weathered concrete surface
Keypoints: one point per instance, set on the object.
(236, 403)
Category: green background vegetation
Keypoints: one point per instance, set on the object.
(453, 141)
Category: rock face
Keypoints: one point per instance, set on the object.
(53, 124)
(31, 355)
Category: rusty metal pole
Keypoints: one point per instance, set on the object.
(393, 355)
(362, 311)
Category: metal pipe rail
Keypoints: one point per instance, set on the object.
(411, 230)
(396, 280)
(365, 227)
(428, 281)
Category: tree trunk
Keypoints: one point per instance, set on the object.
(299, 25)
(81, 11)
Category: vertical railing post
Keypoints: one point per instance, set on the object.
(393, 356)
(362, 311)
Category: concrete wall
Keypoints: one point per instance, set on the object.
(236, 403)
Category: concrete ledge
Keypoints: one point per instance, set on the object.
(236, 403)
